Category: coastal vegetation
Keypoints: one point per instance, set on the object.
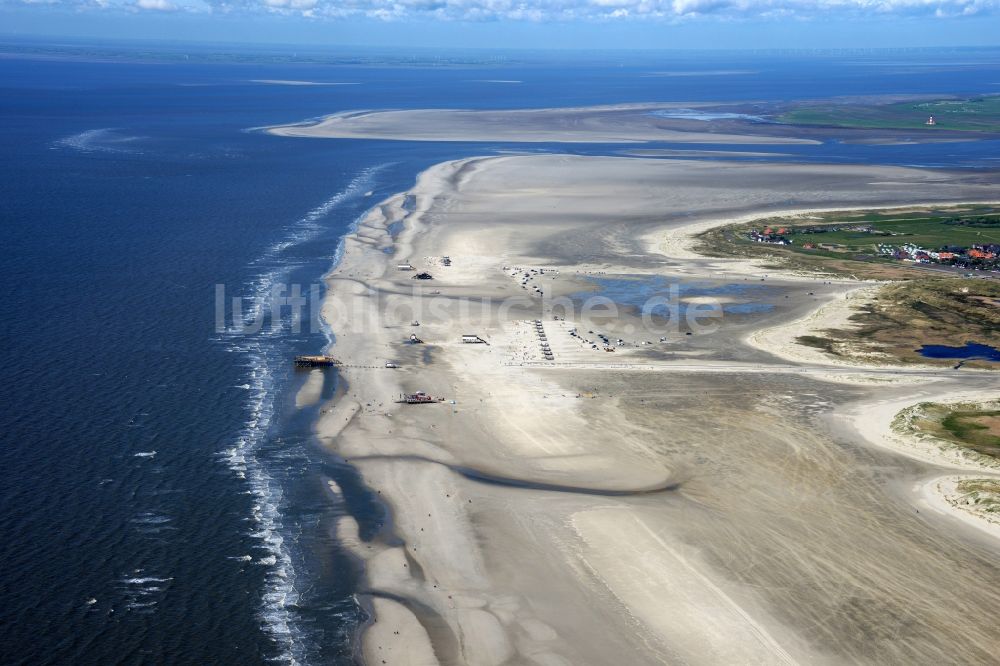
(977, 114)
(974, 427)
(978, 429)
(905, 316)
(984, 494)
(867, 244)
(916, 307)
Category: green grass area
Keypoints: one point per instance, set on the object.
(929, 232)
(980, 114)
(975, 426)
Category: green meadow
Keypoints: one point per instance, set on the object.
(980, 114)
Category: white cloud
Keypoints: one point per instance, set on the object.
(538, 10)
(156, 5)
(560, 10)
(291, 4)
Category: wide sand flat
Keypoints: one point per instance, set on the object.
(596, 124)
(697, 500)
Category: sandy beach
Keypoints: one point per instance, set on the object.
(681, 499)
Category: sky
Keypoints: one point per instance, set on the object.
(563, 24)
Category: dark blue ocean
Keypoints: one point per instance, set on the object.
(163, 500)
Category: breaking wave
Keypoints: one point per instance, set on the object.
(143, 592)
(247, 456)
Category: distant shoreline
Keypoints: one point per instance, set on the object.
(733, 123)
(623, 123)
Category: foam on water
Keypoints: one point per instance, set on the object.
(100, 140)
(145, 580)
(150, 518)
(143, 592)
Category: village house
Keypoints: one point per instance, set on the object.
(977, 253)
(768, 236)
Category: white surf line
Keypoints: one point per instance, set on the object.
(762, 634)
(280, 596)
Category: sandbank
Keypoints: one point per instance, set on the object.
(626, 123)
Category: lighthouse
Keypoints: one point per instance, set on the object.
(931, 121)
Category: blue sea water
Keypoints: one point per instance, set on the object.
(163, 499)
